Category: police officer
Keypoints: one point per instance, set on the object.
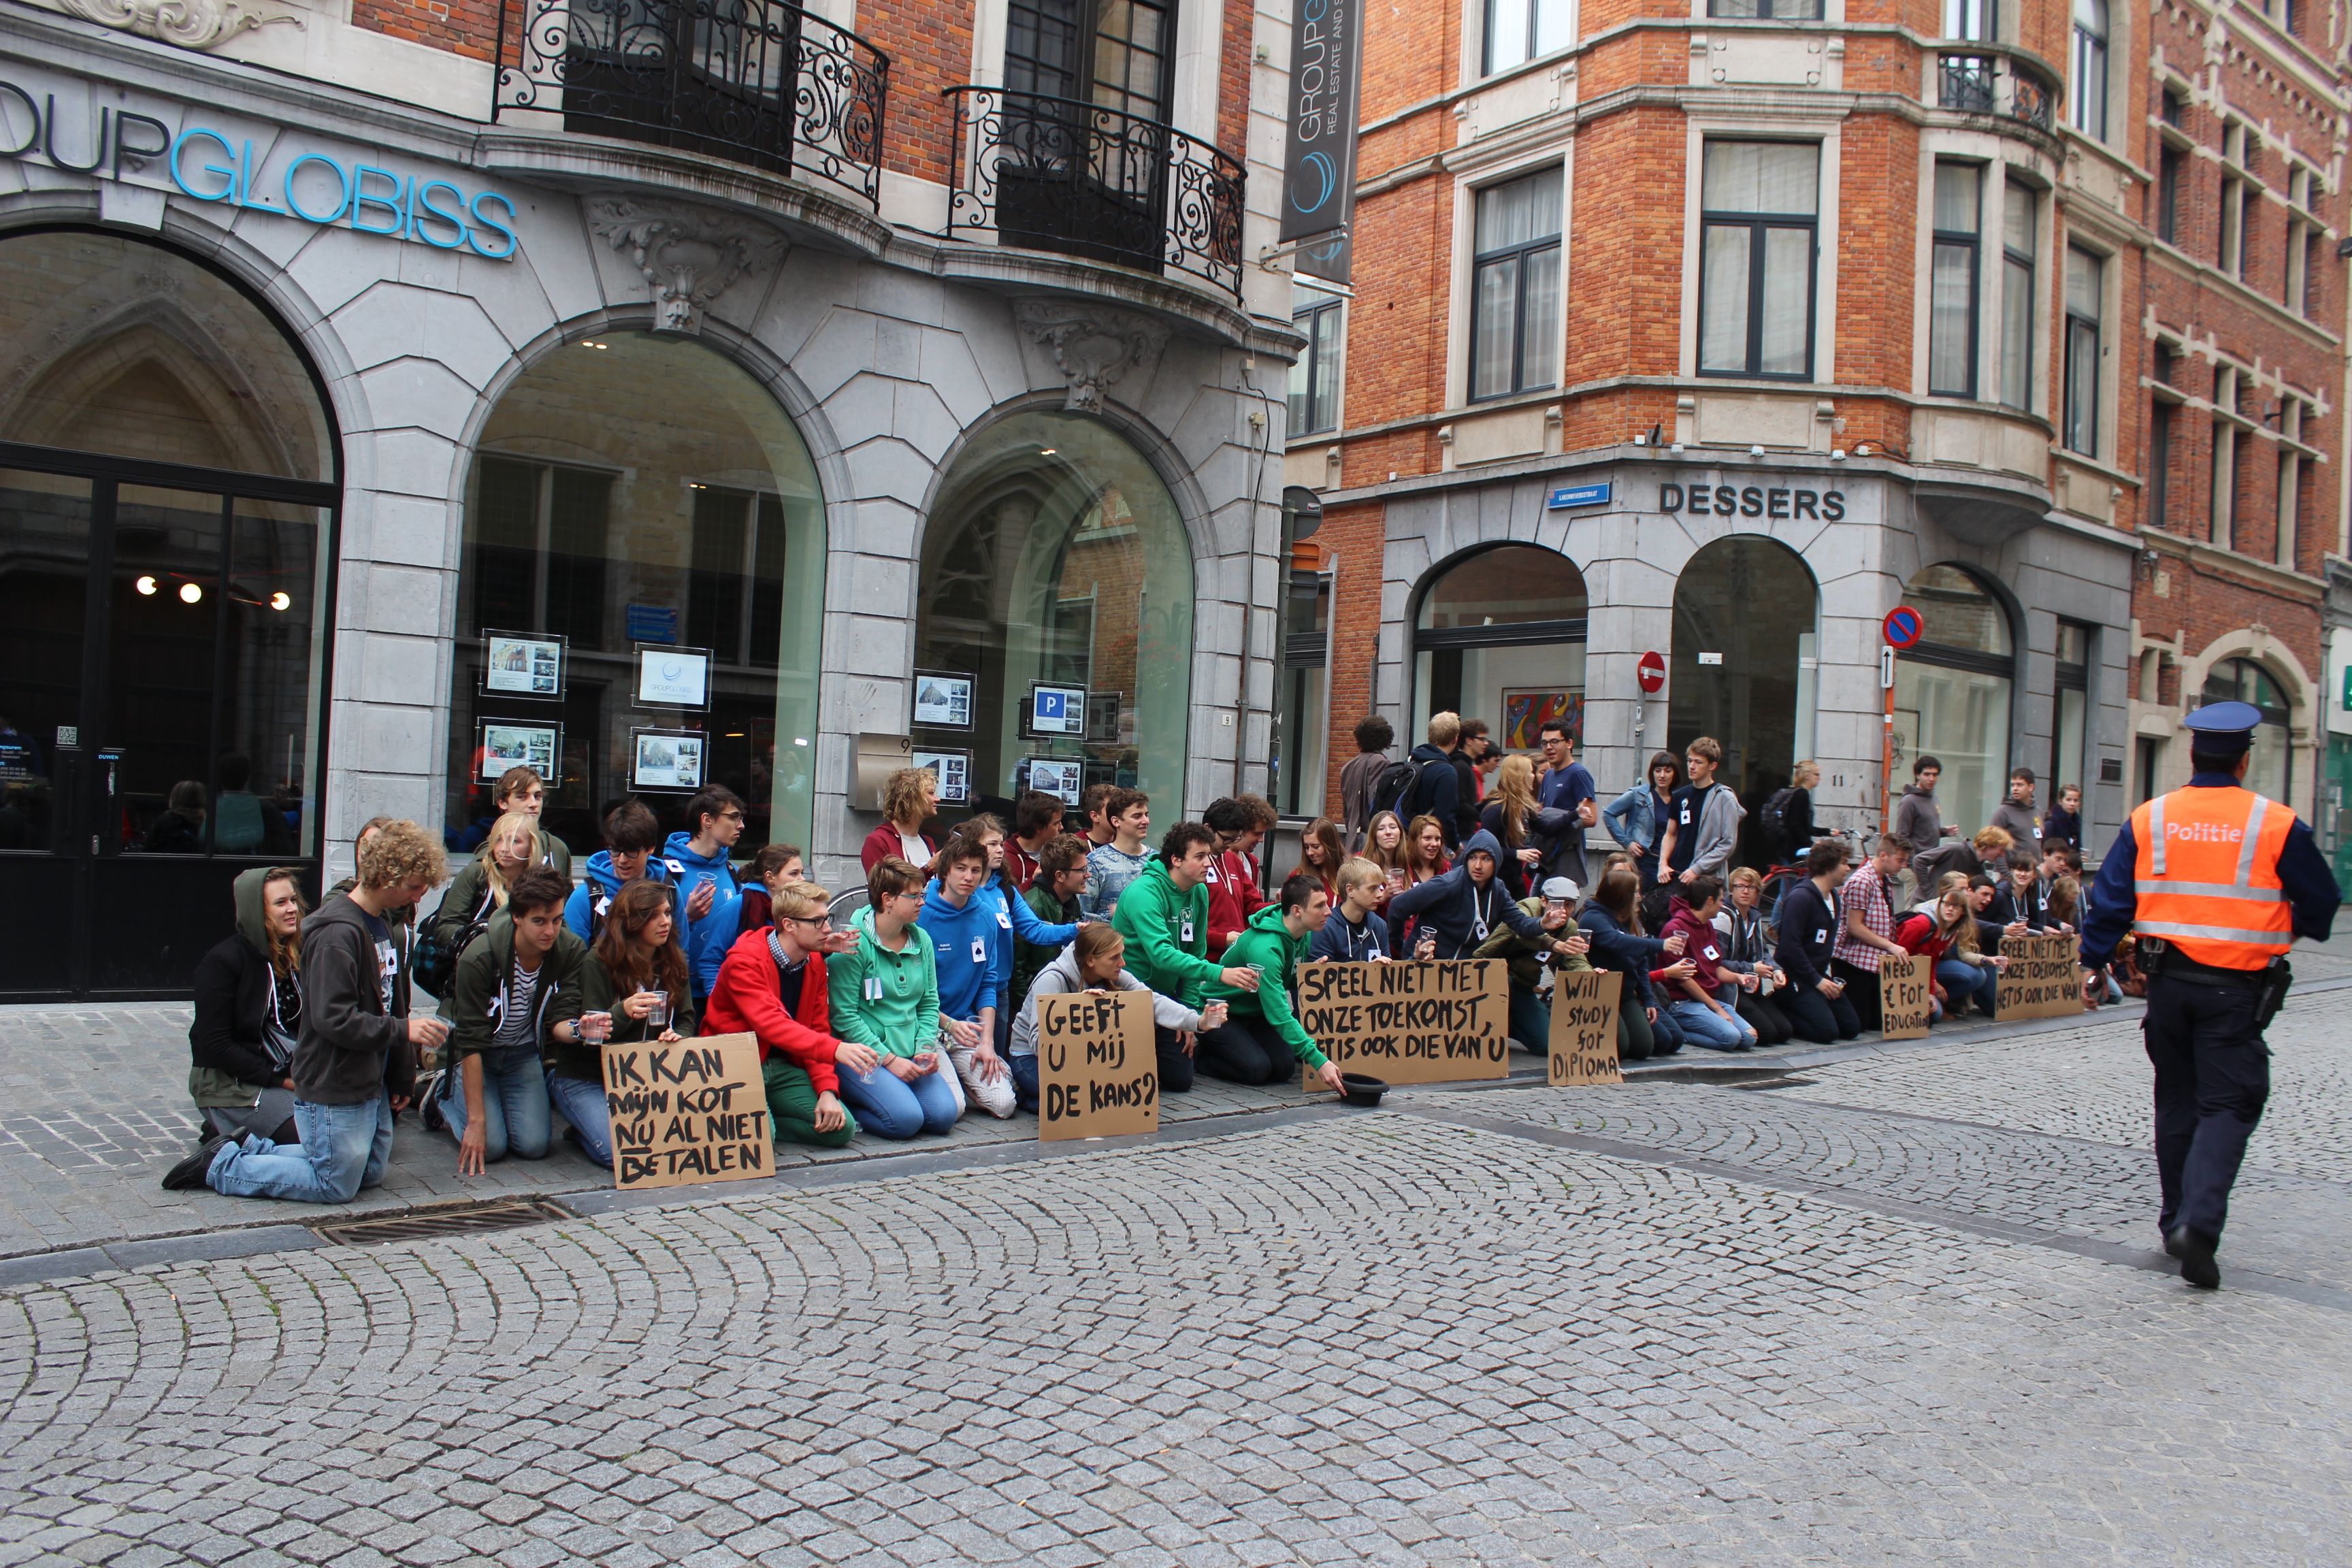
(2214, 883)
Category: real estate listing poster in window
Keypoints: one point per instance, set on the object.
(506, 743)
(943, 700)
(1102, 717)
(953, 769)
(1064, 778)
(671, 761)
(524, 664)
(1054, 711)
(674, 677)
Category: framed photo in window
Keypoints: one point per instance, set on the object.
(943, 701)
(1064, 778)
(503, 744)
(673, 677)
(1102, 717)
(524, 664)
(953, 769)
(1054, 711)
(671, 761)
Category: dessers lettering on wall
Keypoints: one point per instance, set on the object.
(208, 166)
(1753, 501)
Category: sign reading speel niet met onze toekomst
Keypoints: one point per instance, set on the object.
(1410, 1020)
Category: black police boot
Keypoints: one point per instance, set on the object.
(2195, 1250)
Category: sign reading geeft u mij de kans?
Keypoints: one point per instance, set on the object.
(1431, 1020)
(1097, 1066)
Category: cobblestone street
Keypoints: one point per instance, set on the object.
(1892, 1309)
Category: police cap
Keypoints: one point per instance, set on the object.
(2222, 728)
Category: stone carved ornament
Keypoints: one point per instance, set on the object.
(689, 256)
(191, 23)
(1093, 344)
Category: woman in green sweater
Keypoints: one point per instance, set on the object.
(885, 1001)
(1262, 1041)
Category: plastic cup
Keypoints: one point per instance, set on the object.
(658, 1017)
(596, 1028)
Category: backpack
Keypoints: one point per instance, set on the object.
(1775, 821)
(436, 963)
(1396, 786)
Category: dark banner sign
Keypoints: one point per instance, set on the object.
(1318, 187)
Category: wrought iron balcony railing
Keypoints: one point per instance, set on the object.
(1054, 174)
(755, 82)
(1992, 84)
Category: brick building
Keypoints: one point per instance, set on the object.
(1720, 330)
(658, 396)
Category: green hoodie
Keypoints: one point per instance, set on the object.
(888, 1000)
(482, 975)
(1151, 915)
(1267, 942)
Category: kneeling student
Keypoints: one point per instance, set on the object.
(354, 1062)
(1554, 909)
(1352, 932)
(1095, 961)
(886, 1008)
(971, 945)
(1262, 1042)
(635, 968)
(248, 1002)
(772, 985)
(515, 989)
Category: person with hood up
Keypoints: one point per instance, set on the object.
(249, 1000)
(354, 1062)
(1164, 916)
(1262, 1042)
(631, 833)
(516, 988)
(1095, 962)
(698, 863)
(1469, 904)
(1700, 1009)
(1352, 932)
(972, 948)
(1554, 909)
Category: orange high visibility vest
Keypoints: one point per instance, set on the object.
(2208, 879)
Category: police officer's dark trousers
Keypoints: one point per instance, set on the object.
(2213, 1076)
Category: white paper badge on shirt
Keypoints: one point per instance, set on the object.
(873, 988)
(1821, 935)
(1184, 930)
(979, 950)
(1004, 920)
(1708, 953)
(677, 867)
(1212, 870)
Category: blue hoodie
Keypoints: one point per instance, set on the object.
(708, 939)
(1454, 907)
(968, 982)
(584, 911)
(1027, 924)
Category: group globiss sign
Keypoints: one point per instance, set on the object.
(207, 165)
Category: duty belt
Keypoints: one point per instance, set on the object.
(2179, 966)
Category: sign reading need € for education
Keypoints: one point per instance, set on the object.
(1097, 1066)
(1905, 1001)
(693, 1110)
(1433, 1020)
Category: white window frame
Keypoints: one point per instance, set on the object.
(1700, 127)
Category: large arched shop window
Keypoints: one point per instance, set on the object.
(1746, 615)
(1952, 693)
(1500, 636)
(2272, 773)
(1053, 637)
(641, 595)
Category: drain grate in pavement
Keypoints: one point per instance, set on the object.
(471, 1220)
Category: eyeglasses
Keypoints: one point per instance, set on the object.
(730, 817)
(911, 897)
(820, 919)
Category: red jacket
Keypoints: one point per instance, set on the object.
(1917, 933)
(1702, 945)
(748, 999)
(1019, 865)
(1234, 897)
(884, 841)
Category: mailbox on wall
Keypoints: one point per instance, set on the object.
(878, 756)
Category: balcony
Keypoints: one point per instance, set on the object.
(756, 82)
(1977, 83)
(1078, 179)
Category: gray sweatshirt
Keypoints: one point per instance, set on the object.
(1717, 832)
(1060, 978)
(1918, 821)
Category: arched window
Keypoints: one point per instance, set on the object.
(1952, 694)
(2272, 773)
(1500, 636)
(1054, 636)
(1746, 617)
(641, 595)
(166, 528)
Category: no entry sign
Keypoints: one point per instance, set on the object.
(1651, 672)
(1904, 627)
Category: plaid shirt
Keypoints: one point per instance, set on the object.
(1864, 892)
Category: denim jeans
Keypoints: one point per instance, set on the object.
(890, 1107)
(514, 1103)
(1703, 1025)
(582, 1104)
(1962, 980)
(343, 1149)
(1025, 1081)
(1667, 1037)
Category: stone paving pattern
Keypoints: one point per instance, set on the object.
(1378, 1337)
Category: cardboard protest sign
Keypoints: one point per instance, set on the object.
(1433, 1020)
(1584, 1026)
(2043, 980)
(1905, 1001)
(1097, 1067)
(695, 1110)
